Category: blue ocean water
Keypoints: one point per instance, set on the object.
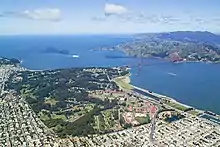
(29, 50)
(195, 84)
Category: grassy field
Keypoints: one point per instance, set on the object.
(177, 106)
(51, 101)
(194, 112)
(105, 121)
(56, 116)
(121, 82)
(43, 116)
(143, 120)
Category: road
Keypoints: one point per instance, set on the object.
(153, 127)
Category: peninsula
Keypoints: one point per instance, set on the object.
(94, 106)
(174, 46)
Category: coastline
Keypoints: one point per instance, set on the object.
(128, 55)
(127, 80)
(197, 112)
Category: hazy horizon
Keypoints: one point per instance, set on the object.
(101, 34)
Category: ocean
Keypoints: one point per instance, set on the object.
(194, 84)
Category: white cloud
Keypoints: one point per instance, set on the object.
(114, 9)
(47, 14)
(124, 15)
(50, 14)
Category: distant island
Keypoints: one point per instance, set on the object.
(52, 50)
(174, 46)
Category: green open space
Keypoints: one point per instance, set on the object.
(143, 120)
(177, 106)
(194, 112)
(122, 83)
(51, 101)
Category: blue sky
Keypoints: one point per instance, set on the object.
(107, 16)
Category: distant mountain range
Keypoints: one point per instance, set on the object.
(198, 36)
(193, 36)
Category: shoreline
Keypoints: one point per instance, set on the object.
(160, 96)
(127, 79)
(165, 59)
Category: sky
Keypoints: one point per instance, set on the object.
(108, 16)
